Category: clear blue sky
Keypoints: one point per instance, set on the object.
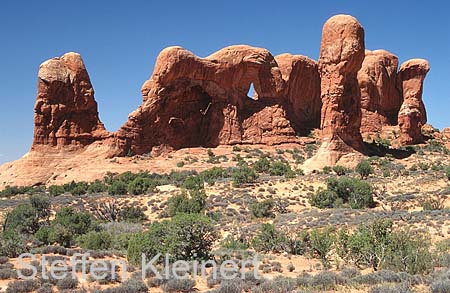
(119, 42)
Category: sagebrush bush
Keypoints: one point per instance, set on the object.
(178, 285)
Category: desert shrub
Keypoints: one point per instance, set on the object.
(79, 188)
(344, 190)
(23, 219)
(95, 240)
(281, 169)
(228, 286)
(409, 253)
(243, 175)
(183, 203)
(56, 190)
(364, 169)
(184, 237)
(340, 170)
(117, 188)
(97, 186)
(390, 288)
(447, 172)
(234, 243)
(193, 183)
(41, 204)
(277, 285)
(7, 273)
(11, 244)
(68, 225)
(433, 204)
(262, 165)
(180, 164)
(132, 214)
(211, 175)
(321, 241)
(327, 169)
(262, 209)
(22, 286)
(140, 185)
(376, 245)
(10, 191)
(269, 239)
(326, 280)
(325, 199)
(67, 283)
(440, 286)
(178, 285)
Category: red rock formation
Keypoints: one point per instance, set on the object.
(190, 101)
(412, 115)
(341, 57)
(380, 99)
(302, 89)
(65, 109)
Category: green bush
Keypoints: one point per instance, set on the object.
(15, 190)
(117, 188)
(141, 185)
(95, 240)
(364, 169)
(56, 190)
(243, 175)
(340, 170)
(193, 182)
(22, 219)
(97, 186)
(262, 165)
(378, 246)
(281, 169)
(132, 214)
(344, 190)
(41, 204)
(79, 188)
(11, 244)
(184, 237)
(325, 199)
(211, 175)
(183, 203)
(68, 225)
(269, 239)
(262, 209)
(322, 241)
(233, 243)
(447, 172)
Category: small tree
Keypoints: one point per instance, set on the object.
(447, 172)
(364, 169)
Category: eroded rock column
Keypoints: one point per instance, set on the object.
(412, 115)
